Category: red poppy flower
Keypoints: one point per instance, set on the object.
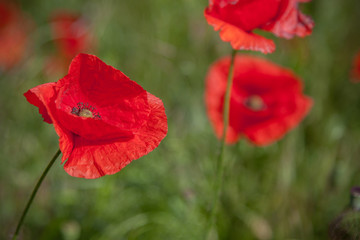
(104, 120)
(237, 19)
(14, 29)
(266, 100)
(71, 33)
(356, 68)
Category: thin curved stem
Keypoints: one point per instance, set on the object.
(36, 188)
(221, 163)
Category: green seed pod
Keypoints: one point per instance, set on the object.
(347, 225)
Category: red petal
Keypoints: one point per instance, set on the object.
(238, 38)
(121, 103)
(93, 159)
(271, 131)
(41, 96)
(91, 128)
(291, 21)
(66, 141)
(91, 72)
(246, 15)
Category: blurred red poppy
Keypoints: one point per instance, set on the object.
(237, 19)
(356, 69)
(14, 30)
(104, 120)
(266, 100)
(72, 35)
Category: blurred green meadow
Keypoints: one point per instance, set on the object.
(291, 189)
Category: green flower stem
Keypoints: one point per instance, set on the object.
(34, 193)
(221, 161)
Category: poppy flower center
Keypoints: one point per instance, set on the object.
(255, 103)
(85, 113)
(85, 110)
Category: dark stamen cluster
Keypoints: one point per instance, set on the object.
(85, 106)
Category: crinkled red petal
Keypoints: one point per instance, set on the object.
(43, 97)
(238, 38)
(93, 159)
(121, 103)
(291, 22)
(66, 141)
(91, 128)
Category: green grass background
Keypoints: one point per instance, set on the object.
(291, 189)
